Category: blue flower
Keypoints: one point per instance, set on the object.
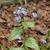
(24, 12)
(19, 12)
(23, 9)
(18, 18)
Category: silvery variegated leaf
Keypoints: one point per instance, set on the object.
(31, 43)
(15, 33)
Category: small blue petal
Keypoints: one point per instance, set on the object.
(18, 18)
(20, 8)
(24, 12)
(19, 12)
(23, 9)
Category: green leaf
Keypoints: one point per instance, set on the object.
(16, 49)
(48, 31)
(27, 24)
(31, 42)
(15, 33)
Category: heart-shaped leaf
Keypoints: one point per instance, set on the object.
(15, 33)
(27, 24)
(16, 49)
(31, 42)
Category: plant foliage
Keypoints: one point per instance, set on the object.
(31, 43)
(15, 33)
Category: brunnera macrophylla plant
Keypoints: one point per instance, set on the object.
(28, 42)
(17, 31)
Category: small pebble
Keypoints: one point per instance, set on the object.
(35, 14)
(14, 12)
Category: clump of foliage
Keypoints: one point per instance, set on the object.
(18, 30)
(28, 42)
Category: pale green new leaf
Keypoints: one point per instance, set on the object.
(15, 33)
(16, 49)
(31, 43)
(27, 24)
